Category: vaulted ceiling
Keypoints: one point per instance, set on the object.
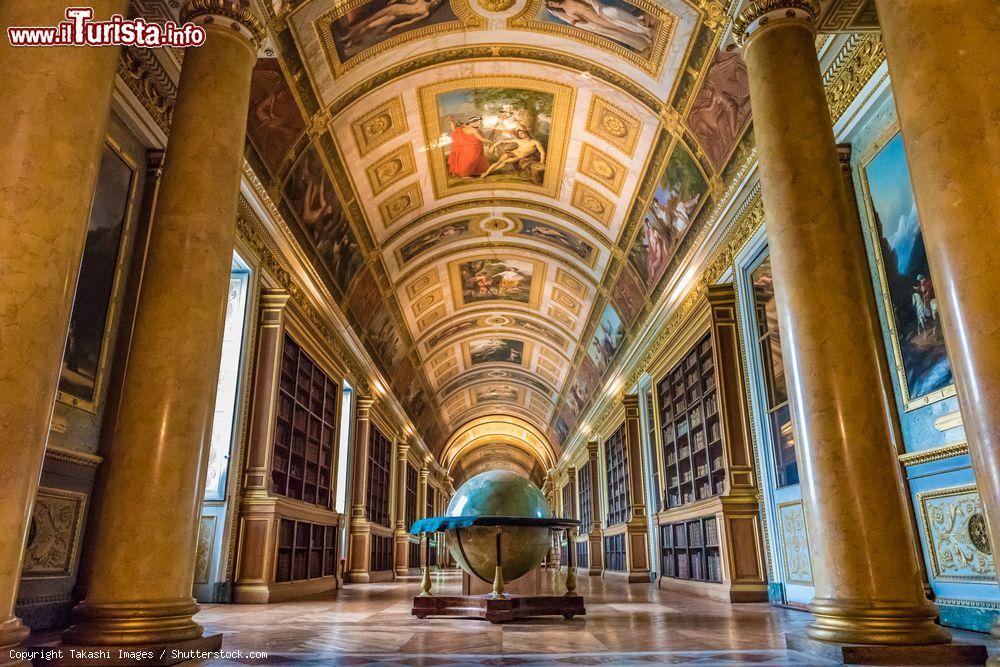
(496, 190)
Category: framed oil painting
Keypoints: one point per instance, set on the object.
(95, 304)
(354, 31)
(491, 132)
(638, 31)
(608, 337)
(563, 239)
(491, 279)
(428, 241)
(679, 196)
(906, 284)
(496, 350)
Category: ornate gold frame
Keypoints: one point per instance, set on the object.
(652, 66)
(563, 105)
(909, 403)
(116, 284)
(467, 20)
(537, 282)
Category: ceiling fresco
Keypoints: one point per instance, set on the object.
(497, 191)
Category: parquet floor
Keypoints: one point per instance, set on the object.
(625, 625)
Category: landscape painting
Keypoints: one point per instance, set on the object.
(496, 350)
(310, 196)
(722, 107)
(679, 194)
(496, 280)
(431, 239)
(607, 339)
(568, 241)
(910, 301)
(86, 347)
(369, 24)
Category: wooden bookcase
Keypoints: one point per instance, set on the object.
(690, 429)
(616, 474)
(379, 477)
(305, 551)
(710, 531)
(305, 428)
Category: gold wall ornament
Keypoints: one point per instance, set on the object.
(593, 203)
(54, 533)
(715, 13)
(405, 201)
(851, 70)
(616, 126)
(142, 72)
(954, 536)
(241, 17)
(934, 454)
(979, 533)
(379, 125)
(603, 168)
(391, 169)
(761, 12)
(496, 5)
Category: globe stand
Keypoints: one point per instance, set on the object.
(498, 607)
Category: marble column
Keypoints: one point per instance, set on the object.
(401, 535)
(359, 530)
(595, 540)
(146, 525)
(867, 580)
(948, 54)
(54, 109)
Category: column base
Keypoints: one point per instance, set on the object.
(883, 623)
(953, 653)
(627, 577)
(143, 655)
(12, 633)
(594, 571)
(133, 623)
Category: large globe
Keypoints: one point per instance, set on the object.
(498, 493)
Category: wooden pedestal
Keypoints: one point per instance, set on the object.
(499, 610)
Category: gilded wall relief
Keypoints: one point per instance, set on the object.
(565, 279)
(313, 203)
(638, 31)
(554, 235)
(379, 125)
(593, 203)
(603, 168)
(906, 284)
(54, 533)
(482, 280)
(358, 30)
(422, 282)
(613, 124)
(679, 196)
(721, 109)
(608, 337)
(495, 131)
(795, 544)
(273, 122)
(955, 528)
(400, 204)
(389, 170)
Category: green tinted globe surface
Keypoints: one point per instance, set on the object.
(498, 493)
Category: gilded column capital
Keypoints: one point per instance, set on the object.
(235, 14)
(760, 13)
(365, 404)
(592, 450)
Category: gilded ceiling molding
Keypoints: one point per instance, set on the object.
(466, 54)
(851, 70)
(148, 80)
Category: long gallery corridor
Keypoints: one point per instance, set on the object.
(532, 332)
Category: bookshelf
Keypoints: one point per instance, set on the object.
(616, 469)
(379, 477)
(691, 550)
(305, 428)
(694, 461)
(305, 551)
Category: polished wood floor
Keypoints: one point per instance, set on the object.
(624, 625)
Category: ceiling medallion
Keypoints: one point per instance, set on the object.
(498, 321)
(498, 225)
(496, 5)
(979, 534)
